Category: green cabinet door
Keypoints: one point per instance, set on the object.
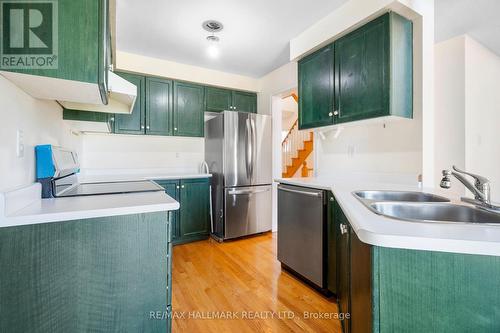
(331, 245)
(195, 202)
(217, 99)
(172, 188)
(244, 101)
(133, 123)
(82, 43)
(316, 92)
(343, 265)
(159, 106)
(361, 75)
(188, 109)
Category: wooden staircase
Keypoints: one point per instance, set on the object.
(296, 148)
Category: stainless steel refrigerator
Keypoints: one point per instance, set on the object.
(238, 153)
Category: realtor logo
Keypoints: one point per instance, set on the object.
(29, 34)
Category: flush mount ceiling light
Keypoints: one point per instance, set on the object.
(212, 26)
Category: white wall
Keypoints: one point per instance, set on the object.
(174, 70)
(482, 113)
(468, 110)
(41, 122)
(172, 154)
(450, 106)
(278, 81)
(370, 147)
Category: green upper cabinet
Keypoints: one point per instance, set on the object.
(159, 106)
(188, 109)
(372, 71)
(195, 202)
(316, 89)
(244, 101)
(94, 117)
(133, 123)
(217, 99)
(75, 48)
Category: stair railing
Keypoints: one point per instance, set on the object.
(293, 142)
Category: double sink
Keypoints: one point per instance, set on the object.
(423, 207)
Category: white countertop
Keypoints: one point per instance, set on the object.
(95, 178)
(76, 208)
(24, 206)
(382, 231)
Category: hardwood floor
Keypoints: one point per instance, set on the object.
(238, 286)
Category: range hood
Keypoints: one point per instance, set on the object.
(121, 98)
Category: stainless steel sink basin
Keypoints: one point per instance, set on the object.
(402, 196)
(434, 212)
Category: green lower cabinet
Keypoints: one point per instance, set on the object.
(244, 101)
(217, 99)
(133, 123)
(399, 290)
(332, 245)
(108, 274)
(188, 115)
(159, 106)
(192, 221)
(426, 291)
(172, 188)
(194, 214)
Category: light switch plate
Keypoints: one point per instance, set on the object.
(20, 143)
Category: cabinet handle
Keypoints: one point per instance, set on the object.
(147, 127)
(343, 229)
(142, 126)
(330, 114)
(182, 186)
(112, 119)
(175, 128)
(335, 113)
(177, 187)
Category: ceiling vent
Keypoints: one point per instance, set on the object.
(212, 26)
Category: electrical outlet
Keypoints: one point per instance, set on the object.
(20, 143)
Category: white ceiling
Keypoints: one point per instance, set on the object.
(255, 39)
(478, 18)
(256, 34)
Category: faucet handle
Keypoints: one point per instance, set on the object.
(479, 180)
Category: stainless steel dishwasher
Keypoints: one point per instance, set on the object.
(302, 232)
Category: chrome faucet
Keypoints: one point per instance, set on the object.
(480, 188)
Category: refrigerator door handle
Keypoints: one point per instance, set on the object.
(248, 149)
(253, 147)
(237, 192)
